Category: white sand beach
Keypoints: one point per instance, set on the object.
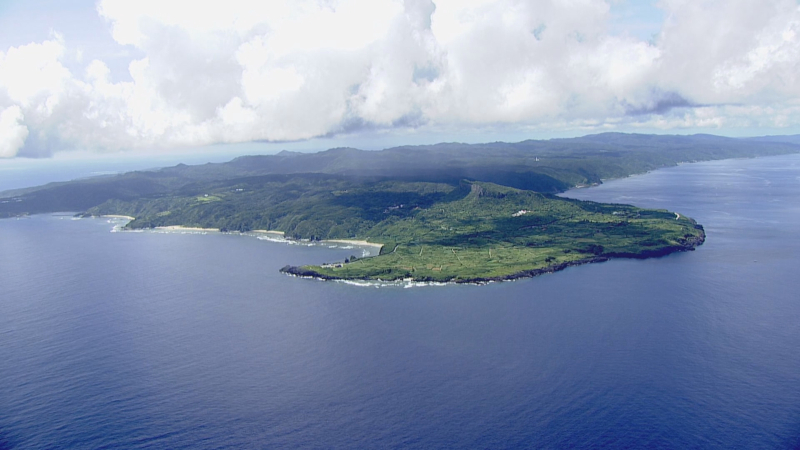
(354, 242)
(182, 228)
(267, 231)
(116, 216)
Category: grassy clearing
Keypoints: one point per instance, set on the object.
(207, 198)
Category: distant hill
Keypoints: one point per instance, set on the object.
(788, 139)
(548, 166)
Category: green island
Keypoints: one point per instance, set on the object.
(443, 213)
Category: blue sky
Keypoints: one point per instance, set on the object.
(639, 18)
(154, 77)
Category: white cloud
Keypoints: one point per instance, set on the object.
(12, 132)
(32, 71)
(294, 69)
(732, 51)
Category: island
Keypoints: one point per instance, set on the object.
(461, 213)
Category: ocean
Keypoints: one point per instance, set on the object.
(118, 340)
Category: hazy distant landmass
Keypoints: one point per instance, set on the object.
(445, 212)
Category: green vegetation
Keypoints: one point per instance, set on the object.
(469, 231)
(544, 166)
(304, 206)
(496, 233)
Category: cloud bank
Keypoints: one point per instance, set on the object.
(240, 71)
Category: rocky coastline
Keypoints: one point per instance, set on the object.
(689, 245)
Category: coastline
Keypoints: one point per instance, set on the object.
(267, 232)
(185, 228)
(691, 245)
(360, 243)
(118, 216)
(300, 272)
(182, 228)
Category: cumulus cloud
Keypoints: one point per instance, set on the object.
(12, 132)
(285, 70)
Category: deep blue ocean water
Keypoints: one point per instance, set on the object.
(153, 340)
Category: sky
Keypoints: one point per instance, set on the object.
(108, 77)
